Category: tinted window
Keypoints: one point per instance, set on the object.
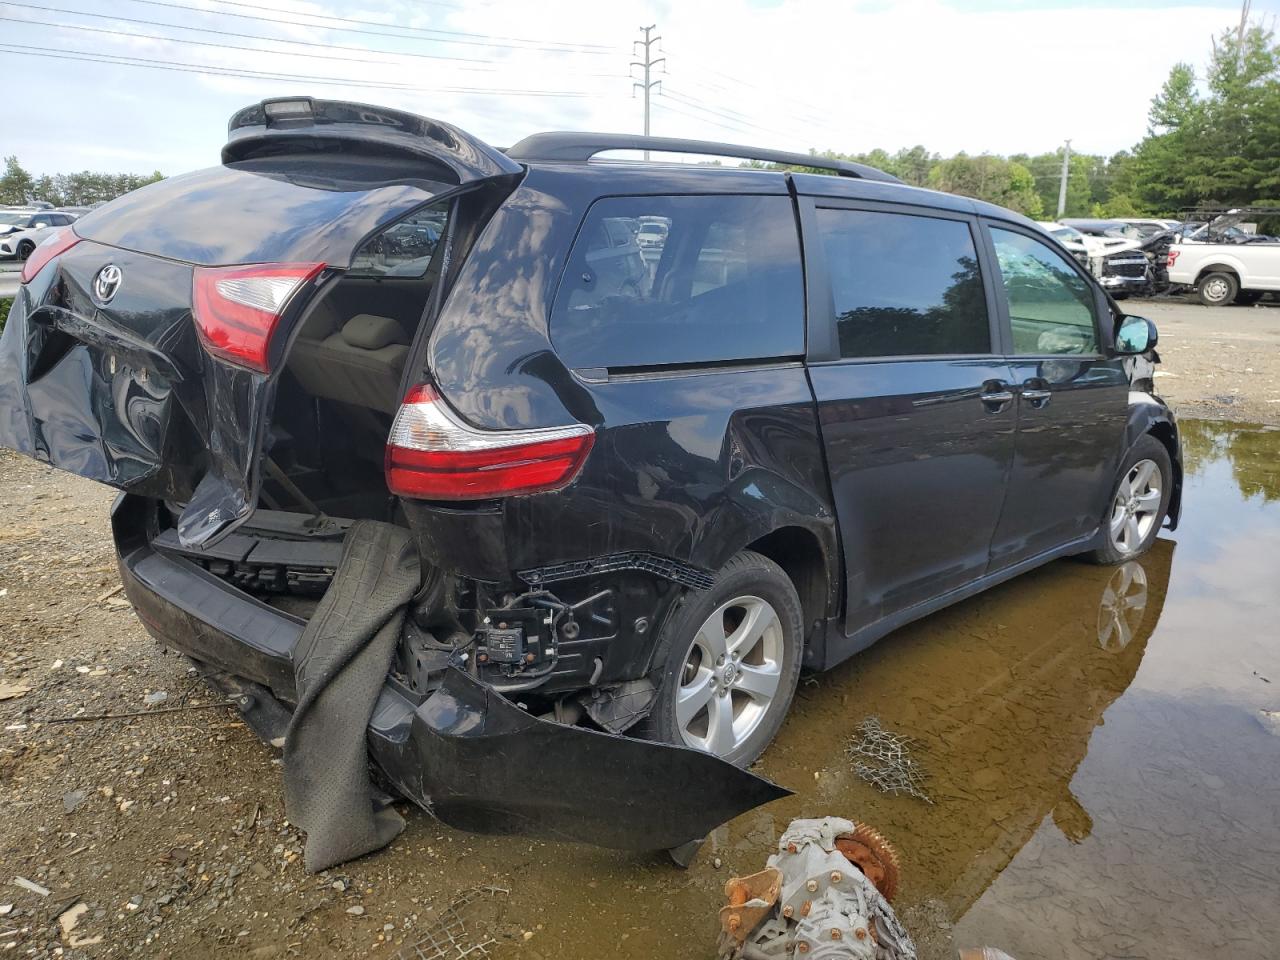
(659, 280)
(1050, 304)
(904, 285)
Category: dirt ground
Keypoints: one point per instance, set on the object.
(169, 827)
(1217, 363)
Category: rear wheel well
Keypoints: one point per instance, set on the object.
(1217, 268)
(799, 553)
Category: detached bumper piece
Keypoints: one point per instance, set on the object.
(464, 753)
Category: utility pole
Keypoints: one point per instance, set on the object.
(647, 64)
(1062, 187)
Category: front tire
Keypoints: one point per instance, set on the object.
(24, 249)
(732, 662)
(1218, 289)
(1138, 503)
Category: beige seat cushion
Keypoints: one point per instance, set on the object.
(334, 369)
(372, 333)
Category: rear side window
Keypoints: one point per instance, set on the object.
(666, 280)
(904, 285)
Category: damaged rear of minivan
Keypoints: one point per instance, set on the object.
(246, 353)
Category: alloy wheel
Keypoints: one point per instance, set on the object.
(731, 676)
(1136, 508)
(1124, 603)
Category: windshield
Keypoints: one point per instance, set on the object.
(13, 219)
(1067, 233)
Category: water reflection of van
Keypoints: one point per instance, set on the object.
(1042, 659)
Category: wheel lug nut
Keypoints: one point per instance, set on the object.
(720, 661)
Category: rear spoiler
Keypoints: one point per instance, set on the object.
(299, 124)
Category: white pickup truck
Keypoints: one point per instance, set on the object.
(1225, 273)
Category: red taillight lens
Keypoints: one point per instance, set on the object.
(432, 455)
(53, 245)
(1173, 257)
(236, 309)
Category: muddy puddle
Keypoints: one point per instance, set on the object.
(1102, 779)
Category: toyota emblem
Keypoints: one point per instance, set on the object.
(107, 282)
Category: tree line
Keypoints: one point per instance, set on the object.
(17, 186)
(1212, 139)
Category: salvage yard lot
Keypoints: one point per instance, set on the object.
(170, 827)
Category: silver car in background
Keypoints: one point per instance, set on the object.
(21, 231)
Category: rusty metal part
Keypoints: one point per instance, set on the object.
(875, 856)
(750, 899)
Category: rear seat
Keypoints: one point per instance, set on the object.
(356, 361)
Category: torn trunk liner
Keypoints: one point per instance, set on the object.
(238, 383)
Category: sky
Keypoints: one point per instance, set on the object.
(999, 76)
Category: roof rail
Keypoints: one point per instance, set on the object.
(565, 146)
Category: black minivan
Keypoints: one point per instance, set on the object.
(663, 434)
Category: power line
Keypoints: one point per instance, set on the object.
(242, 36)
(398, 26)
(199, 43)
(775, 96)
(739, 124)
(663, 102)
(724, 113)
(231, 46)
(119, 60)
(373, 33)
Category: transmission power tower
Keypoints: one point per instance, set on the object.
(1062, 185)
(647, 65)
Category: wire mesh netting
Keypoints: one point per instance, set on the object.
(463, 929)
(884, 759)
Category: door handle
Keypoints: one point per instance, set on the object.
(995, 395)
(1035, 391)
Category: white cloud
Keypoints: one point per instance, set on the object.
(989, 76)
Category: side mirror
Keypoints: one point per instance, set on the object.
(1135, 335)
(39, 225)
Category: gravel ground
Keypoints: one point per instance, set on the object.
(170, 829)
(1218, 363)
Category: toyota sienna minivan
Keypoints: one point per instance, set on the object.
(649, 478)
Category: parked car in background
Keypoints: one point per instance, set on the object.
(1228, 226)
(22, 231)
(651, 235)
(642, 494)
(1079, 245)
(1149, 227)
(1117, 258)
(1226, 273)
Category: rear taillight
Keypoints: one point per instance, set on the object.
(1173, 257)
(432, 455)
(236, 309)
(52, 246)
